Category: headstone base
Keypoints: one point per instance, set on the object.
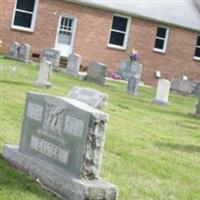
(162, 103)
(65, 185)
(43, 85)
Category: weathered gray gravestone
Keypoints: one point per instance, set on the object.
(14, 50)
(53, 56)
(184, 87)
(133, 85)
(129, 69)
(61, 145)
(89, 96)
(97, 73)
(44, 75)
(24, 53)
(73, 64)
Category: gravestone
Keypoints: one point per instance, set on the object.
(162, 93)
(14, 50)
(129, 69)
(97, 73)
(61, 144)
(133, 85)
(53, 56)
(44, 75)
(24, 53)
(89, 96)
(73, 64)
(184, 87)
(198, 108)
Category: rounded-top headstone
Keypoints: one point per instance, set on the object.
(162, 93)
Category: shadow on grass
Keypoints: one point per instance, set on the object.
(16, 83)
(180, 147)
(13, 180)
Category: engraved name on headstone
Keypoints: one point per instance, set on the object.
(89, 96)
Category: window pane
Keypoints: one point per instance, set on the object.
(198, 40)
(119, 23)
(197, 52)
(161, 32)
(23, 19)
(159, 44)
(117, 38)
(64, 37)
(27, 5)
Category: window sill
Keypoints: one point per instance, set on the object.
(159, 51)
(196, 58)
(116, 47)
(18, 28)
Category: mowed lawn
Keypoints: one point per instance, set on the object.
(151, 152)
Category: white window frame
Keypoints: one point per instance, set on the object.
(124, 47)
(34, 14)
(164, 39)
(197, 46)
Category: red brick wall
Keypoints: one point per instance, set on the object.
(92, 38)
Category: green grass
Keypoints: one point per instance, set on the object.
(151, 152)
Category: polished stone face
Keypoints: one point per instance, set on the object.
(59, 131)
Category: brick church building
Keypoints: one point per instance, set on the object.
(166, 33)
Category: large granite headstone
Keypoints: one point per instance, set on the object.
(162, 93)
(97, 73)
(133, 85)
(24, 53)
(61, 145)
(184, 87)
(73, 64)
(14, 50)
(44, 75)
(89, 96)
(129, 69)
(53, 56)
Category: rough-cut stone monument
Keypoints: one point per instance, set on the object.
(53, 56)
(61, 145)
(162, 93)
(14, 50)
(97, 73)
(133, 85)
(24, 53)
(89, 96)
(44, 75)
(73, 64)
(129, 68)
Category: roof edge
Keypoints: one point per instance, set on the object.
(130, 14)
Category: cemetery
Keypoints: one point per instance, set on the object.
(92, 138)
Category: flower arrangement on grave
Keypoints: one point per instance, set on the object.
(134, 55)
(116, 76)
